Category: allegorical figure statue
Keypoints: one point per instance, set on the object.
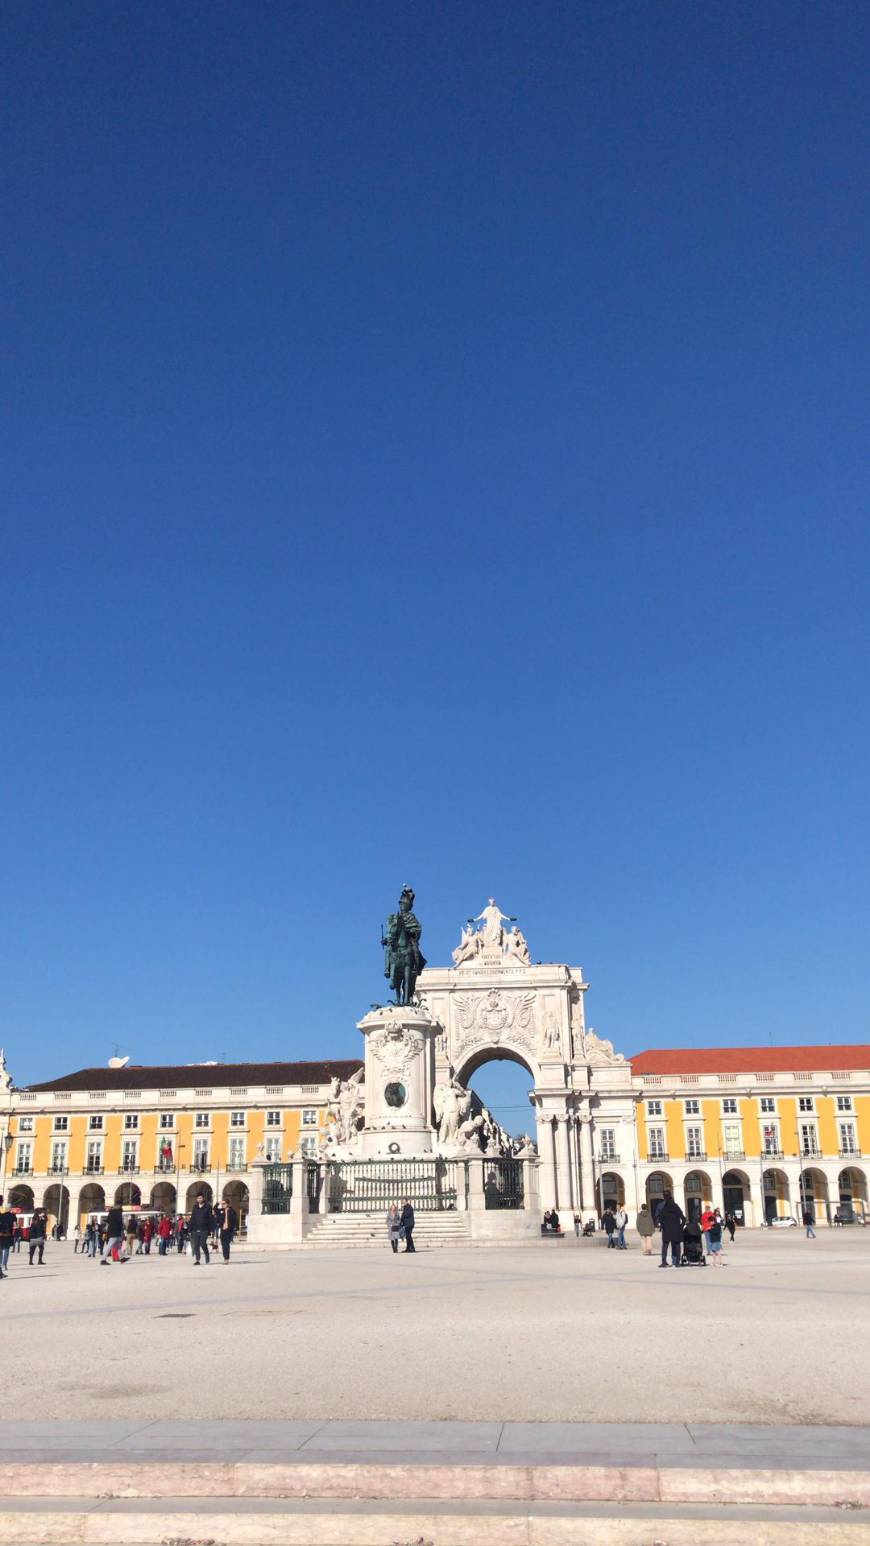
(400, 938)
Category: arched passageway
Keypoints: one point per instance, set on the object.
(197, 1189)
(92, 1199)
(656, 1185)
(21, 1199)
(814, 1195)
(163, 1197)
(699, 1193)
(236, 1194)
(56, 1204)
(503, 1083)
(737, 1196)
(852, 1186)
(611, 1191)
(128, 1195)
(777, 1195)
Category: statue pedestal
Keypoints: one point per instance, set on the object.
(399, 1079)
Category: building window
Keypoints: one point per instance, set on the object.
(273, 1119)
(25, 1124)
(272, 1151)
(805, 1103)
(731, 1139)
(95, 1123)
(200, 1154)
(768, 1105)
(694, 1142)
(308, 1145)
(94, 1160)
(657, 1148)
(809, 1141)
(693, 1108)
(167, 1120)
(61, 1124)
(844, 1103)
(131, 1121)
(770, 1138)
(201, 1119)
(653, 1108)
(237, 1119)
(847, 1138)
(129, 1160)
(729, 1106)
(22, 1158)
(58, 1157)
(608, 1143)
(237, 1153)
(309, 1117)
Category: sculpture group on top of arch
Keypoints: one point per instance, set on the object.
(491, 938)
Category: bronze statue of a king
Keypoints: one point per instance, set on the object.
(400, 938)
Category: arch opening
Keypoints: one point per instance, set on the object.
(502, 1081)
(737, 1195)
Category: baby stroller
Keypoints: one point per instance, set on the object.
(693, 1247)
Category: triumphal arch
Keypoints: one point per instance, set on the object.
(496, 1002)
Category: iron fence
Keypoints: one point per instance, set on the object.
(503, 1183)
(314, 1185)
(277, 1188)
(369, 1186)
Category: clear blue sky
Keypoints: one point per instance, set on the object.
(434, 451)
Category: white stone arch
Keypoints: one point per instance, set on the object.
(698, 1192)
(776, 1198)
(737, 1194)
(852, 1191)
(483, 1052)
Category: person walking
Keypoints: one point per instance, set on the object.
(621, 1226)
(7, 1235)
(164, 1234)
(229, 1225)
(809, 1219)
(609, 1224)
(217, 1224)
(200, 1228)
(77, 1238)
(578, 1225)
(707, 1217)
(38, 1232)
(181, 1234)
(672, 1221)
(730, 1224)
(646, 1229)
(394, 1226)
(114, 1237)
(408, 1221)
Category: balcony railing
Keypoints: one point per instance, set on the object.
(608, 1159)
(733, 1154)
(657, 1159)
(128, 1170)
(165, 1168)
(849, 1153)
(243, 1165)
(58, 1170)
(23, 1170)
(697, 1154)
(92, 1170)
(772, 1154)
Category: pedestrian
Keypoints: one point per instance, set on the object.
(181, 1234)
(609, 1223)
(147, 1235)
(621, 1226)
(394, 1226)
(714, 1248)
(707, 1218)
(77, 1237)
(229, 1225)
(809, 1219)
(408, 1221)
(200, 1228)
(7, 1235)
(38, 1232)
(18, 1236)
(164, 1234)
(646, 1229)
(730, 1224)
(578, 1225)
(672, 1222)
(114, 1237)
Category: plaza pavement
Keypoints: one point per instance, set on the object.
(556, 1332)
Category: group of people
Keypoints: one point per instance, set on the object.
(12, 1235)
(400, 1226)
(118, 1241)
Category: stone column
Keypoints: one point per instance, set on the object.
(546, 1151)
(563, 1164)
(587, 1174)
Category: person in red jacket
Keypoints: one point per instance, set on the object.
(164, 1234)
(708, 1219)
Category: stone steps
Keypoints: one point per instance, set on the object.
(348, 1230)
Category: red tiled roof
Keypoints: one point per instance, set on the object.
(187, 1076)
(749, 1060)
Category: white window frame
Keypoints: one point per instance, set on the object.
(272, 1148)
(806, 1106)
(93, 1155)
(25, 1124)
(202, 1151)
(167, 1122)
(844, 1104)
(696, 1128)
(309, 1116)
(237, 1119)
(131, 1121)
(202, 1121)
(309, 1145)
(767, 1106)
(773, 1123)
(95, 1122)
(24, 1157)
(657, 1142)
(237, 1146)
(61, 1124)
(58, 1147)
(729, 1106)
(848, 1126)
(273, 1119)
(812, 1129)
(129, 1147)
(692, 1106)
(727, 1152)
